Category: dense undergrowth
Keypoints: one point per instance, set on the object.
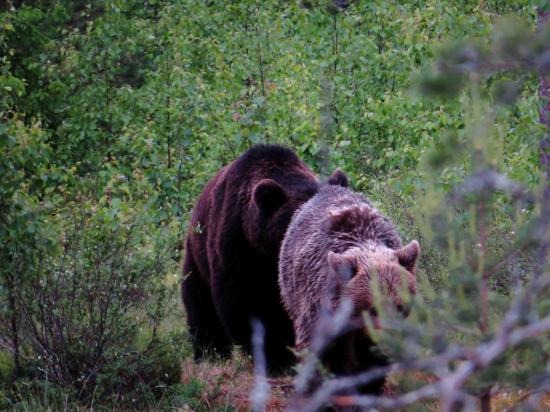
(113, 115)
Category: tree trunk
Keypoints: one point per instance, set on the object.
(14, 326)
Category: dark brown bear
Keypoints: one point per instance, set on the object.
(232, 247)
(335, 245)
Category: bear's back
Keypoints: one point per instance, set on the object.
(302, 261)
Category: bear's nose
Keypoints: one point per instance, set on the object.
(403, 308)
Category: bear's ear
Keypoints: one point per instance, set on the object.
(338, 178)
(341, 266)
(269, 196)
(407, 255)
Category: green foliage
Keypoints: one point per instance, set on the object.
(6, 367)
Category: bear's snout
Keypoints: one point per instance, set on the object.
(391, 282)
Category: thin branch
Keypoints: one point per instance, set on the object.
(328, 327)
(260, 56)
(260, 392)
(332, 386)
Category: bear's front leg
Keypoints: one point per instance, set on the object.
(207, 334)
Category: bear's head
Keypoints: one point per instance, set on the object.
(372, 263)
(371, 271)
(273, 202)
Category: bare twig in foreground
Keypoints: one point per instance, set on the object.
(260, 392)
(329, 327)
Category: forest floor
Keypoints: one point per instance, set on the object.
(226, 385)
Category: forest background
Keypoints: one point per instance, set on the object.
(114, 114)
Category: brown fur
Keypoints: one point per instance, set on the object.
(230, 267)
(336, 244)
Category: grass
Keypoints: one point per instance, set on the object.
(224, 385)
(227, 384)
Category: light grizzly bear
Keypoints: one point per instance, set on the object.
(335, 245)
